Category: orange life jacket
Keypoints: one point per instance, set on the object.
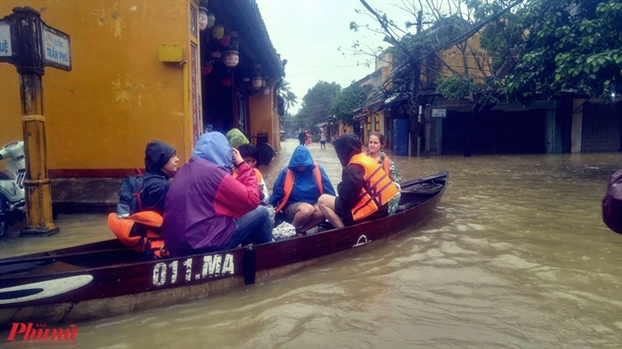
(289, 184)
(140, 231)
(257, 174)
(377, 190)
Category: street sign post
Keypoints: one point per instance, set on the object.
(31, 45)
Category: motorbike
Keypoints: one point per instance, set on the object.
(12, 192)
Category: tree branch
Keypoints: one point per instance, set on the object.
(408, 53)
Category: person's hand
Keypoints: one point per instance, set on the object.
(237, 158)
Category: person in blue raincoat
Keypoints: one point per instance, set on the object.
(297, 189)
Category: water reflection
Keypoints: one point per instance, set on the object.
(516, 256)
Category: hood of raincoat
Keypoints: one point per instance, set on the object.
(157, 154)
(301, 157)
(346, 147)
(215, 148)
(236, 138)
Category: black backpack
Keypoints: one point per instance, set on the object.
(129, 196)
(612, 203)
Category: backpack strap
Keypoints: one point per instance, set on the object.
(317, 174)
(287, 188)
(138, 193)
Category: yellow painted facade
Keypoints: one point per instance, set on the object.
(477, 62)
(123, 90)
(264, 116)
(118, 95)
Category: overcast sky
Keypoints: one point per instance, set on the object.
(308, 34)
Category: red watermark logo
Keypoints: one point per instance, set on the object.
(38, 334)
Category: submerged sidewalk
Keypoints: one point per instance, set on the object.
(83, 204)
(85, 195)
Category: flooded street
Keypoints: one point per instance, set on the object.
(517, 256)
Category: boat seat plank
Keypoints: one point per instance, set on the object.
(56, 267)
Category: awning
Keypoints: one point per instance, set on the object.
(394, 100)
(374, 101)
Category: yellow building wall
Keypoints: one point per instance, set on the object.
(264, 118)
(118, 96)
(454, 58)
(345, 128)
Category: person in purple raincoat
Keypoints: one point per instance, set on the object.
(206, 209)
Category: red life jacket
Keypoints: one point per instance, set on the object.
(288, 185)
(140, 231)
(378, 188)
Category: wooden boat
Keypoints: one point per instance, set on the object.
(106, 278)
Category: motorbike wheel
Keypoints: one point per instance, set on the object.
(4, 225)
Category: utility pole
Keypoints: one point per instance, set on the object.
(33, 45)
(428, 129)
(414, 125)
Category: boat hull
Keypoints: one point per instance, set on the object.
(69, 285)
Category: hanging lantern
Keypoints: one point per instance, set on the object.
(211, 19)
(225, 40)
(256, 82)
(202, 18)
(231, 58)
(225, 82)
(206, 69)
(218, 31)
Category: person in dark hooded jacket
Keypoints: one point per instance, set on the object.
(364, 191)
(612, 203)
(160, 164)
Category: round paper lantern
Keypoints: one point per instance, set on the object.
(206, 69)
(231, 58)
(211, 19)
(225, 41)
(256, 82)
(203, 20)
(225, 82)
(218, 31)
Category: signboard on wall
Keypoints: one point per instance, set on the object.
(439, 113)
(5, 42)
(56, 48)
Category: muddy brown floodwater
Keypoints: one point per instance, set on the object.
(516, 256)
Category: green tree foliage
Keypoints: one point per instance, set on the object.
(289, 123)
(290, 99)
(347, 100)
(572, 46)
(445, 25)
(316, 103)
